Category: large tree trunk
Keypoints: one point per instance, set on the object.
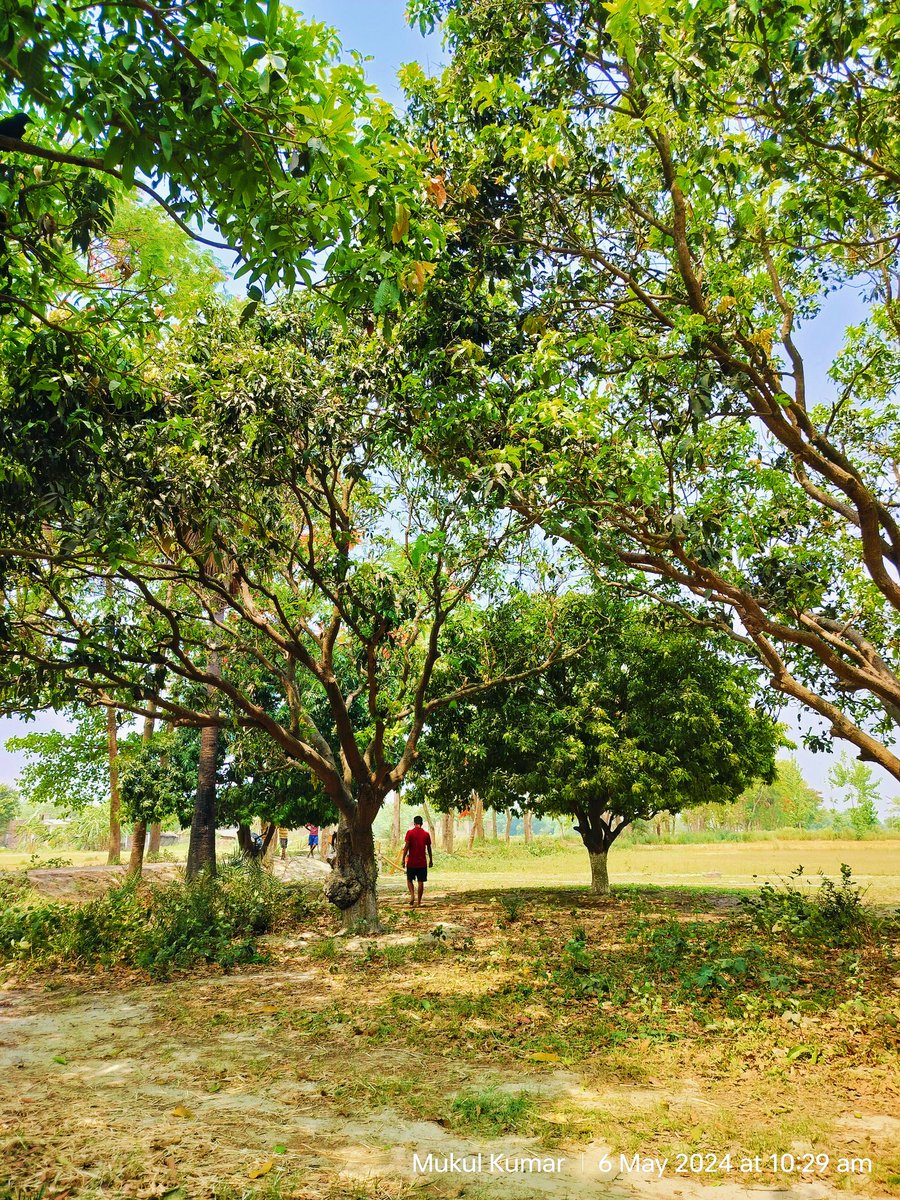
(269, 836)
(352, 887)
(245, 841)
(493, 824)
(202, 848)
(115, 829)
(526, 826)
(136, 858)
(448, 820)
(155, 839)
(506, 832)
(599, 872)
(598, 830)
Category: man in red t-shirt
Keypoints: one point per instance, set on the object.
(418, 845)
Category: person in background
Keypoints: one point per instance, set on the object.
(417, 859)
(313, 838)
(283, 840)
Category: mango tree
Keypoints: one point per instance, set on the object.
(644, 718)
(274, 521)
(657, 199)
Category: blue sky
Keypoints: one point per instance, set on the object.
(378, 29)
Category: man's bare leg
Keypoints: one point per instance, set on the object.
(410, 884)
(421, 888)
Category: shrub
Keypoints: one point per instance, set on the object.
(512, 904)
(158, 927)
(832, 914)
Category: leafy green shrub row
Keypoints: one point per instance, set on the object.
(832, 914)
(156, 927)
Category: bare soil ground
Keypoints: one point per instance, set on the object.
(463, 1030)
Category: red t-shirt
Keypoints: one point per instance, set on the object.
(417, 839)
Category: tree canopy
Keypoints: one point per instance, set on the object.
(643, 719)
(652, 202)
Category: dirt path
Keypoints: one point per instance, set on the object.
(105, 1093)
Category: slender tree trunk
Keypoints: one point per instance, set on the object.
(447, 823)
(478, 818)
(139, 834)
(202, 848)
(269, 836)
(115, 829)
(493, 824)
(136, 857)
(395, 824)
(506, 833)
(599, 872)
(352, 887)
(244, 840)
(526, 825)
(429, 821)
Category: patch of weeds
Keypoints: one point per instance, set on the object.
(492, 1112)
(578, 975)
(14, 887)
(157, 928)
(325, 950)
(35, 862)
(832, 914)
(512, 904)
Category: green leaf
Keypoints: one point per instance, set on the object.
(387, 297)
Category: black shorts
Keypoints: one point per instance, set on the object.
(420, 873)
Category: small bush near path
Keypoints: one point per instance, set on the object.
(157, 928)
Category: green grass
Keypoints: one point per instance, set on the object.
(491, 1113)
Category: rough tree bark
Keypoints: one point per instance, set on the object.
(155, 839)
(352, 887)
(493, 824)
(507, 831)
(202, 847)
(429, 821)
(599, 828)
(526, 826)
(395, 823)
(599, 872)
(245, 841)
(447, 823)
(114, 855)
(477, 830)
